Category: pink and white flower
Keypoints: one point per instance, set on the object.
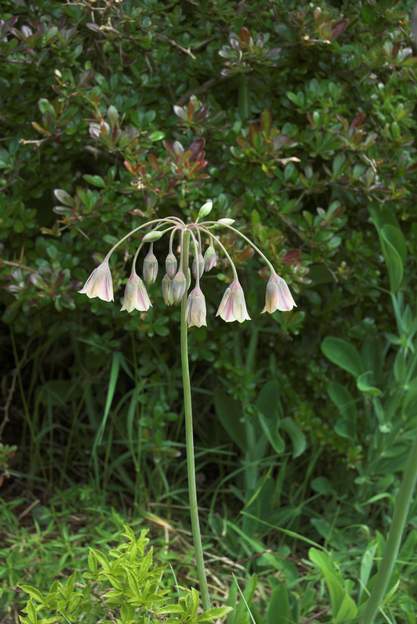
(196, 308)
(278, 296)
(100, 283)
(233, 305)
(135, 296)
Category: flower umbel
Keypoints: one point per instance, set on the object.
(136, 296)
(278, 296)
(196, 308)
(100, 283)
(233, 305)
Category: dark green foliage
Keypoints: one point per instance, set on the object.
(298, 119)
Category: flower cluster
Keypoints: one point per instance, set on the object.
(177, 279)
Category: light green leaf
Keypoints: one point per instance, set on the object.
(229, 412)
(214, 614)
(394, 250)
(279, 607)
(95, 180)
(298, 439)
(342, 604)
(343, 354)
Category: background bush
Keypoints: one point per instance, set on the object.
(298, 119)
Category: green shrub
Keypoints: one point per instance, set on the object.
(297, 118)
(125, 586)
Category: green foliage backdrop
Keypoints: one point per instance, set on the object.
(298, 119)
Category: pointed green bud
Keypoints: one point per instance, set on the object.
(171, 265)
(179, 286)
(150, 267)
(226, 221)
(200, 266)
(151, 237)
(205, 209)
(167, 290)
(210, 258)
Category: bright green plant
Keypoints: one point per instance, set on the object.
(386, 376)
(124, 585)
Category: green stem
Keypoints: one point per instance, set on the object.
(192, 487)
(401, 509)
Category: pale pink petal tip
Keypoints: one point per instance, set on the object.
(100, 283)
(233, 305)
(278, 296)
(135, 296)
(196, 308)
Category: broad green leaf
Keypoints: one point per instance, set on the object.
(298, 439)
(345, 403)
(270, 414)
(33, 592)
(229, 412)
(364, 384)
(366, 567)
(343, 354)
(214, 614)
(342, 604)
(347, 611)
(95, 180)
(279, 607)
(394, 254)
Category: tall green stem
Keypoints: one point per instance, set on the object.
(401, 509)
(192, 487)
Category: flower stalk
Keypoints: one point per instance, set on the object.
(175, 289)
(189, 436)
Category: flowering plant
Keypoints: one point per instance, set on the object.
(175, 289)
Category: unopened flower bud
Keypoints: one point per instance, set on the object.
(150, 267)
(278, 295)
(179, 286)
(200, 261)
(135, 296)
(100, 283)
(171, 265)
(205, 209)
(210, 258)
(233, 305)
(226, 221)
(196, 308)
(151, 237)
(167, 290)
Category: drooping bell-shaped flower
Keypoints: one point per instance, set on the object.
(278, 296)
(150, 267)
(210, 258)
(100, 283)
(196, 308)
(233, 305)
(171, 265)
(200, 260)
(179, 286)
(135, 296)
(167, 290)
